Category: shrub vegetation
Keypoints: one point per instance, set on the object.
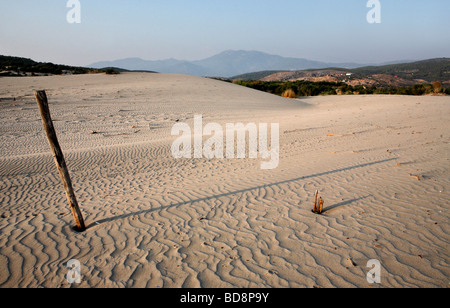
(309, 88)
(16, 66)
(289, 93)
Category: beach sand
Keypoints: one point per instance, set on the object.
(381, 164)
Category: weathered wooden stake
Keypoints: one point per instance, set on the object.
(41, 98)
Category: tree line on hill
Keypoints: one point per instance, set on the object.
(16, 66)
(308, 88)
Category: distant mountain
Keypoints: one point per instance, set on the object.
(226, 64)
(137, 64)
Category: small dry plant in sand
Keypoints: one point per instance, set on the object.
(318, 204)
(289, 94)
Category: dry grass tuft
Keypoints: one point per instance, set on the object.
(289, 94)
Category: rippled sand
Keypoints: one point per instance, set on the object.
(381, 163)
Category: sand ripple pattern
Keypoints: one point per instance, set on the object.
(159, 222)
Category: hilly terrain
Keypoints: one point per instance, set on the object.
(393, 75)
(415, 78)
(16, 66)
(226, 64)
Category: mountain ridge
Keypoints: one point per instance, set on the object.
(225, 64)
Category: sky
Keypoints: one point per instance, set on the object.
(322, 30)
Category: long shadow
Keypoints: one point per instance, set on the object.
(330, 208)
(243, 191)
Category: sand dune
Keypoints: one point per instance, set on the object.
(381, 164)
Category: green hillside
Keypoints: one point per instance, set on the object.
(428, 70)
(15, 66)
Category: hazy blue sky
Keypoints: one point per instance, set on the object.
(325, 30)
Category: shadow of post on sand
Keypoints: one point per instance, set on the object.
(106, 220)
(343, 203)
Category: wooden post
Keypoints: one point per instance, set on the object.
(41, 98)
